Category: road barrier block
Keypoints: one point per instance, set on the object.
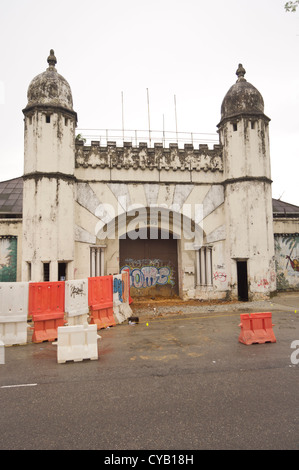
(256, 328)
(100, 301)
(129, 287)
(13, 330)
(76, 302)
(77, 342)
(46, 297)
(13, 312)
(45, 326)
(121, 307)
(46, 306)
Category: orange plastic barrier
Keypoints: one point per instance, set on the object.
(100, 301)
(256, 328)
(46, 307)
(130, 298)
(125, 278)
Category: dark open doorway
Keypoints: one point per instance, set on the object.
(242, 281)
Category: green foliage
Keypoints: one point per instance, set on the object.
(291, 242)
(79, 137)
(291, 6)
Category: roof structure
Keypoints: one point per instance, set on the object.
(11, 197)
(284, 209)
(242, 98)
(49, 89)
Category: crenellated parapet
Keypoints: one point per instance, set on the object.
(149, 158)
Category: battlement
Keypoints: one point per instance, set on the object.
(143, 157)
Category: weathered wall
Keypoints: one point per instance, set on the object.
(248, 204)
(202, 165)
(48, 192)
(173, 178)
(48, 233)
(249, 224)
(49, 147)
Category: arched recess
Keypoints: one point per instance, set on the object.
(153, 263)
(151, 242)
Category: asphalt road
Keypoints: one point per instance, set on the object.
(172, 382)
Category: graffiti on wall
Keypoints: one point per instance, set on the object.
(118, 288)
(219, 276)
(287, 261)
(149, 273)
(8, 259)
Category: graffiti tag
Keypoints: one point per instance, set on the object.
(218, 276)
(77, 291)
(263, 283)
(118, 288)
(149, 276)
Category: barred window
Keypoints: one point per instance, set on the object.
(204, 266)
(96, 261)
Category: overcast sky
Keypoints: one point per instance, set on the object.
(135, 49)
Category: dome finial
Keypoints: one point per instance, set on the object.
(52, 59)
(240, 73)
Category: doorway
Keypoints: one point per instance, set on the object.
(242, 281)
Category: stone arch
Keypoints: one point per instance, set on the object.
(150, 243)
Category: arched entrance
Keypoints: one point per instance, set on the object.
(157, 244)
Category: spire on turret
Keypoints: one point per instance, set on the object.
(52, 61)
(240, 73)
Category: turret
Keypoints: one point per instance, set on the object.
(244, 134)
(49, 153)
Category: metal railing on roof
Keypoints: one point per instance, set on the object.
(147, 136)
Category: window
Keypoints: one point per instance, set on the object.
(28, 271)
(235, 126)
(46, 273)
(66, 121)
(204, 266)
(96, 261)
(62, 271)
(252, 124)
(48, 119)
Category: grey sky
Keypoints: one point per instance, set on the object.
(187, 48)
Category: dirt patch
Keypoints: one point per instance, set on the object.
(161, 306)
(176, 301)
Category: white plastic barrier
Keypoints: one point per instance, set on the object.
(13, 312)
(2, 353)
(77, 342)
(121, 307)
(76, 302)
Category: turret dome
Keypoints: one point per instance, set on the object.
(242, 98)
(50, 88)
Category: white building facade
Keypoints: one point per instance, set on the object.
(192, 222)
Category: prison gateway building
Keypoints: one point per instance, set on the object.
(191, 221)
